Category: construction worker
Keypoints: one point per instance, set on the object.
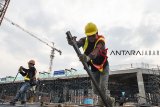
(30, 80)
(95, 55)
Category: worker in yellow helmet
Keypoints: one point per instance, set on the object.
(95, 54)
(30, 80)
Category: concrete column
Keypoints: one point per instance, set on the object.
(141, 88)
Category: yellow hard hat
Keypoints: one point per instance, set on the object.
(90, 29)
(32, 62)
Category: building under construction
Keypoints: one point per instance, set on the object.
(138, 83)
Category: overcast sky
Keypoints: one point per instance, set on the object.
(126, 25)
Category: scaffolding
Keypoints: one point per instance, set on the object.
(72, 90)
(153, 86)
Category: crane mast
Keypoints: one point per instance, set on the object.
(3, 7)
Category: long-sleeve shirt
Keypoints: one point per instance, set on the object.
(30, 73)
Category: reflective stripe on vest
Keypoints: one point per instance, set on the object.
(26, 77)
(99, 67)
(85, 44)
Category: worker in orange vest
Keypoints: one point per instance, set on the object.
(30, 80)
(95, 54)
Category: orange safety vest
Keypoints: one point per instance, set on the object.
(100, 38)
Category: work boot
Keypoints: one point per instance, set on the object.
(13, 102)
(23, 102)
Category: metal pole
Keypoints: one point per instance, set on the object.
(15, 77)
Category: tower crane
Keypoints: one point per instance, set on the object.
(3, 7)
(51, 46)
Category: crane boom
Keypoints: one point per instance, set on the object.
(32, 35)
(53, 48)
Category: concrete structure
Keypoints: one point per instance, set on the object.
(139, 83)
(135, 84)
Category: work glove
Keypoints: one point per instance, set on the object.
(70, 41)
(84, 58)
(20, 69)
